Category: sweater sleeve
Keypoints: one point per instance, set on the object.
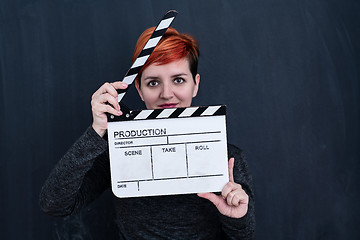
(240, 228)
(80, 176)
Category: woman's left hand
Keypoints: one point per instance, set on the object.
(233, 201)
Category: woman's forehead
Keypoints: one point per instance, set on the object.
(176, 67)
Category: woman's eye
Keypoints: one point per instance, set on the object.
(153, 83)
(179, 80)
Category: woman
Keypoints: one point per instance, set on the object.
(169, 79)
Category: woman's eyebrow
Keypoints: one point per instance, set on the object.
(151, 78)
(172, 76)
(179, 75)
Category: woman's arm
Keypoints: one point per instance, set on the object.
(83, 172)
(79, 177)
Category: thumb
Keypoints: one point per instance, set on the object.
(215, 199)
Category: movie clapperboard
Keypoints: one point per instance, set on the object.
(166, 151)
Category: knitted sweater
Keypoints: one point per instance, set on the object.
(83, 174)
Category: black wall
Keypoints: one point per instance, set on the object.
(288, 71)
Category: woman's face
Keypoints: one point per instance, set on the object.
(168, 86)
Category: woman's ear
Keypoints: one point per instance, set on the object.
(137, 85)
(196, 87)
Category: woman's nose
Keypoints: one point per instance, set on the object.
(166, 92)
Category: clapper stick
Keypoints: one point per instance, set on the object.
(145, 53)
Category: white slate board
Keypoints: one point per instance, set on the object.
(163, 156)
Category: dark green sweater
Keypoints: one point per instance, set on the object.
(84, 173)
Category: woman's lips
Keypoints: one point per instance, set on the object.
(168, 105)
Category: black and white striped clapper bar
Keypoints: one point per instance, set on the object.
(168, 151)
(145, 53)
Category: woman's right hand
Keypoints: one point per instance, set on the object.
(105, 94)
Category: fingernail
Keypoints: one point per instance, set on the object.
(120, 113)
(124, 84)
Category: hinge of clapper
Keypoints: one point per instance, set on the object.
(125, 113)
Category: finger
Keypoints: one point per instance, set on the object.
(100, 109)
(110, 88)
(227, 189)
(102, 90)
(235, 195)
(230, 190)
(236, 200)
(230, 197)
(119, 85)
(240, 198)
(231, 169)
(106, 98)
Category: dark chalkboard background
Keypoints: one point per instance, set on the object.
(288, 71)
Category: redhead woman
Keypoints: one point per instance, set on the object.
(169, 79)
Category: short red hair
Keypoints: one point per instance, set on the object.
(172, 46)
